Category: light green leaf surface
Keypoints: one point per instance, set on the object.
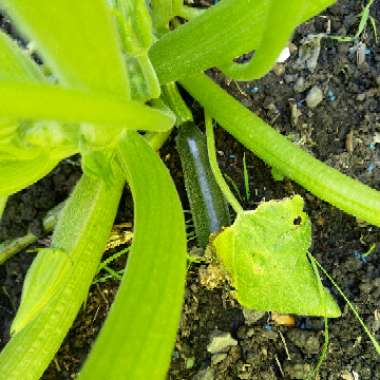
(18, 174)
(139, 334)
(15, 64)
(37, 293)
(77, 39)
(48, 102)
(82, 233)
(228, 30)
(135, 25)
(265, 254)
(276, 150)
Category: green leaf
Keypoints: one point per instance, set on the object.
(49, 102)
(40, 286)
(265, 254)
(135, 25)
(15, 64)
(276, 150)
(228, 30)
(137, 339)
(18, 174)
(47, 315)
(77, 39)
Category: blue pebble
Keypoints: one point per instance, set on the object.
(330, 96)
(372, 146)
(253, 90)
(359, 256)
(371, 167)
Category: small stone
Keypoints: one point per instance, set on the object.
(252, 316)
(297, 371)
(217, 358)
(204, 374)
(221, 342)
(279, 69)
(284, 55)
(346, 375)
(292, 47)
(361, 97)
(307, 341)
(299, 86)
(314, 97)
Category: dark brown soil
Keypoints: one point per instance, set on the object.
(344, 131)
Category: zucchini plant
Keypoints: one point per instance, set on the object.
(108, 73)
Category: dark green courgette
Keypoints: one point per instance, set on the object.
(207, 203)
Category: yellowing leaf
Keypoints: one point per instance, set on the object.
(265, 255)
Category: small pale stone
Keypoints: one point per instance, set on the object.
(314, 97)
(204, 374)
(221, 342)
(217, 358)
(252, 316)
(279, 69)
(299, 86)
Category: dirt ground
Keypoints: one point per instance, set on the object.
(343, 130)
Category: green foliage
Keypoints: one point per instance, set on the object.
(227, 30)
(103, 65)
(78, 40)
(52, 297)
(143, 333)
(265, 255)
(207, 203)
(325, 182)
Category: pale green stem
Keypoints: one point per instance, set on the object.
(277, 151)
(230, 197)
(83, 236)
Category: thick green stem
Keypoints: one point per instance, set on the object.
(223, 32)
(82, 233)
(327, 183)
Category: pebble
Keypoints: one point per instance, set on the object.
(221, 342)
(217, 358)
(314, 97)
(307, 341)
(279, 69)
(299, 86)
(204, 374)
(252, 316)
(361, 97)
(297, 371)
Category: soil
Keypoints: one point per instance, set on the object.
(343, 130)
